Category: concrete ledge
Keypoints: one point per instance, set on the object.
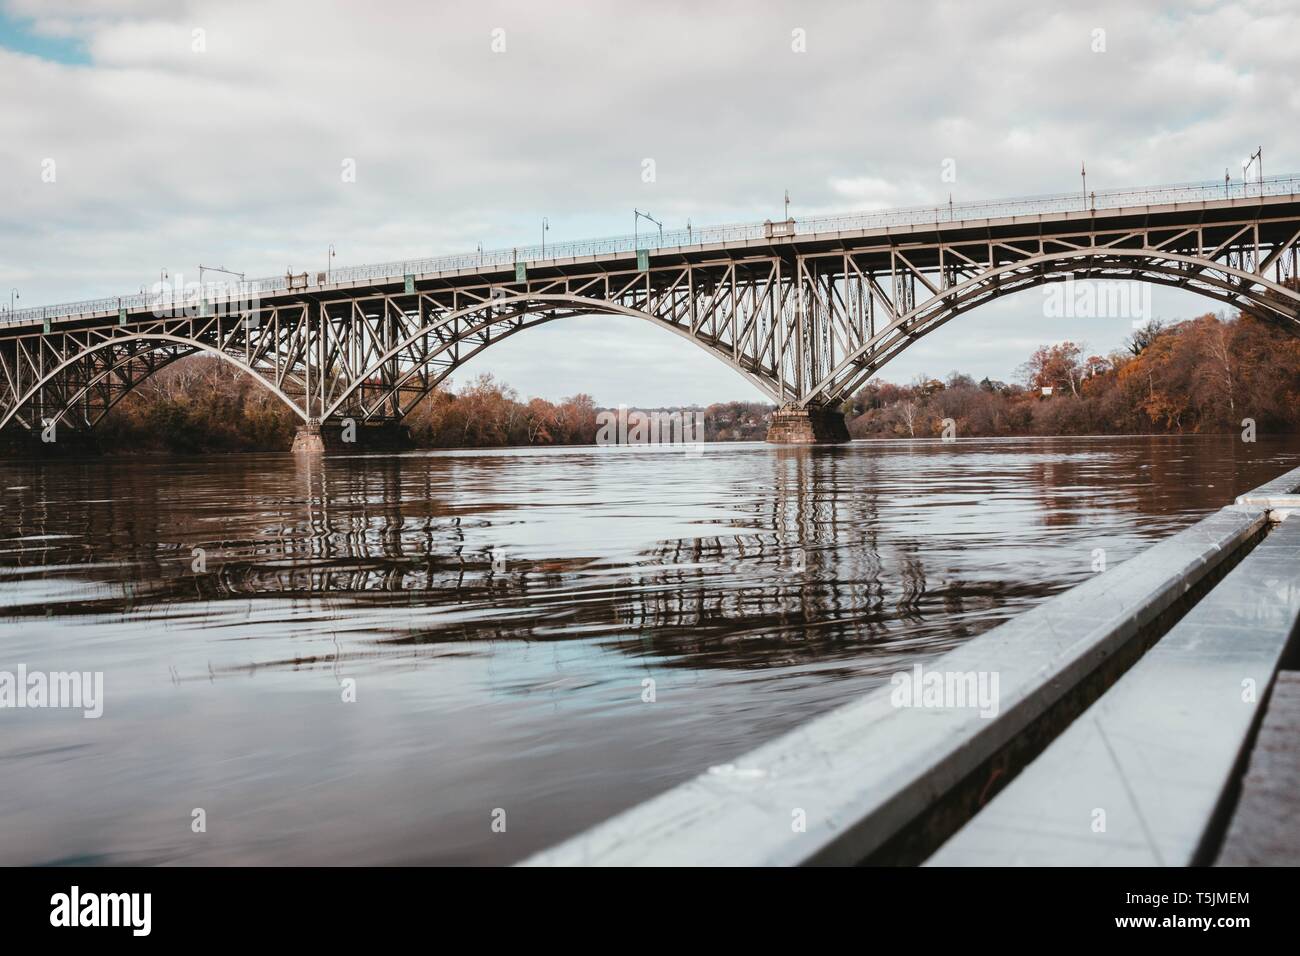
(1159, 751)
(862, 773)
(1287, 483)
(1265, 828)
(1279, 506)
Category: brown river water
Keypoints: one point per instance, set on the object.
(371, 659)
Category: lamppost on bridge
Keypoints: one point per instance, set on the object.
(13, 294)
(229, 272)
(217, 268)
(1083, 171)
(637, 216)
(546, 227)
(329, 265)
(1257, 157)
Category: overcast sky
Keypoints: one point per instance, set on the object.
(167, 155)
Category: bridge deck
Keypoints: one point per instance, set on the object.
(1066, 214)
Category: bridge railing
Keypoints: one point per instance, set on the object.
(499, 259)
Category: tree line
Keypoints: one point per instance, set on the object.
(1206, 374)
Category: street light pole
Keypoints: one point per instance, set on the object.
(637, 216)
(229, 272)
(546, 225)
(1083, 171)
(329, 265)
(1256, 157)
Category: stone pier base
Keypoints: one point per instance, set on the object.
(793, 425)
(308, 441)
(347, 437)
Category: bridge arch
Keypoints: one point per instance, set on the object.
(1250, 292)
(523, 307)
(159, 340)
(507, 314)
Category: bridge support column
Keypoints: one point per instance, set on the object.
(308, 440)
(347, 436)
(814, 425)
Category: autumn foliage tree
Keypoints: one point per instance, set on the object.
(485, 413)
(1203, 375)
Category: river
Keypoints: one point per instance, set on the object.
(465, 656)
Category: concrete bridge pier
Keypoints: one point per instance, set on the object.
(811, 425)
(346, 436)
(308, 440)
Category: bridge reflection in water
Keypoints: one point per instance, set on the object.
(501, 613)
(823, 557)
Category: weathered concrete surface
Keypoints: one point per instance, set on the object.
(1265, 828)
(308, 441)
(1142, 776)
(792, 425)
(862, 773)
(342, 438)
(1287, 483)
(1279, 505)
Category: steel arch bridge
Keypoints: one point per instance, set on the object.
(806, 312)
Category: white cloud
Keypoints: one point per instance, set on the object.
(168, 157)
